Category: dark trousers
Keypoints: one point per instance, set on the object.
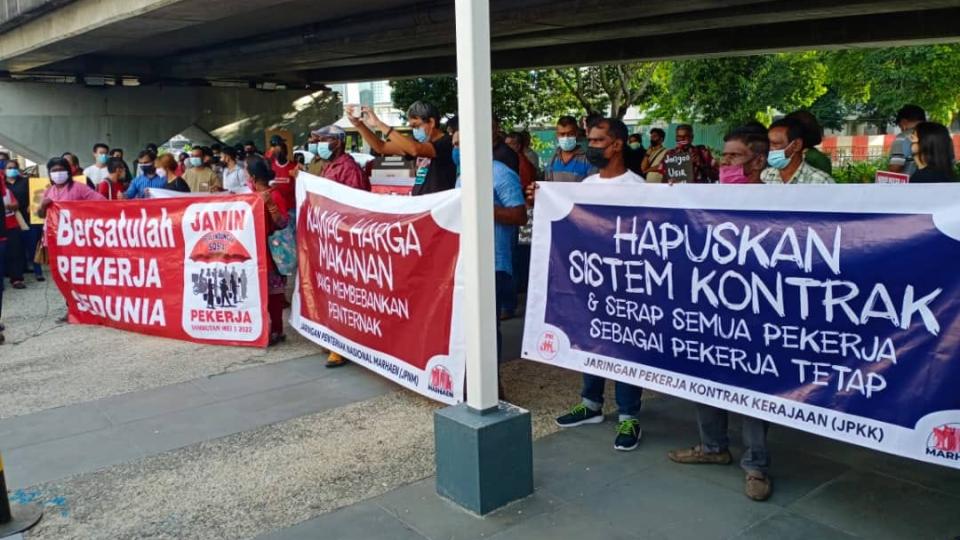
(503, 281)
(521, 267)
(275, 305)
(14, 257)
(3, 269)
(30, 240)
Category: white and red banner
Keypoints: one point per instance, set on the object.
(181, 268)
(379, 282)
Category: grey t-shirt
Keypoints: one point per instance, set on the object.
(901, 154)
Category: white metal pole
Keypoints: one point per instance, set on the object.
(476, 169)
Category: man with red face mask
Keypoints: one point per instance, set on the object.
(744, 156)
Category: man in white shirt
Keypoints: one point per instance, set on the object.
(97, 172)
(607, 141)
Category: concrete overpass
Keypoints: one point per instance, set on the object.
(131, 71)
(304, 43)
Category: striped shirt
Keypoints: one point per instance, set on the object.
(574, 170)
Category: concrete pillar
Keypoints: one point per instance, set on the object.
(40, 120)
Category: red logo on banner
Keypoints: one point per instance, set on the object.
(441, 381)
(944, 442)
(548, 346)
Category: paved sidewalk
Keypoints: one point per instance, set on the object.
(62, 442)
(823, 490)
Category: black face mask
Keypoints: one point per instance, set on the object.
(148, 170)
(596, 158)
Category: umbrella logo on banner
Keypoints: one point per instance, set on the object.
(219, 247)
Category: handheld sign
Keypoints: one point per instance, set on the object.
(678, 168)
(37, 187)
(887, 177)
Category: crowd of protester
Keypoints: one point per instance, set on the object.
(591, 150)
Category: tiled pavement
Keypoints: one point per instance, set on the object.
(823, 490)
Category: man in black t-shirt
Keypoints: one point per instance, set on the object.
(430, 145)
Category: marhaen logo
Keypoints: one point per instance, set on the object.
(441, 381)
(944, 442)
(548, 347)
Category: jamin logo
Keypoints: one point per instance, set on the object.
(548, 346)
(944, 442)
(441, 381)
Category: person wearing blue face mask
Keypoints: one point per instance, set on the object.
(785, 159)
(15, 259)
(429, 144)
(200, 176)
(569, 162)
(342, 169)
(19, 185)
(97, 172)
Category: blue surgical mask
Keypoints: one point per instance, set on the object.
(324, 151)
(567, 143)
(778, 159)
(312, 148)
(420, 134)
(195, 161)
(456, 156)
(13, 173)
(102, 158)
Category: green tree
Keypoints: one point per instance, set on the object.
(880, 81)
(738, 89)
(613, 88)
(519, 97)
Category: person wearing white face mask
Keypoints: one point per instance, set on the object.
(97, 172)
(785, 159)
(63, 187)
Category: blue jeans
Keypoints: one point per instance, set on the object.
(713, 436)
(506, 294)
(628, 396)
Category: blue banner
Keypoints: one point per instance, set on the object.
(833, 309)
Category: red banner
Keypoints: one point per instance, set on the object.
(378, 283)
(183, 268)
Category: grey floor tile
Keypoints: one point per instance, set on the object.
(794, 473)
(880, 507)
(52, 460)
(565, 523)
(50, 425)
(661, 503)
(155, 402)
(789, 526)
(364, 521)
(419, 506)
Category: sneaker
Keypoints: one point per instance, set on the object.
(758, 486)
(696, 455)
(579, 415)
(335, 360)
(41, 278)
(628, 435)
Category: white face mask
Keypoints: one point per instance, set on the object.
(162, 173)
(59, 177)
